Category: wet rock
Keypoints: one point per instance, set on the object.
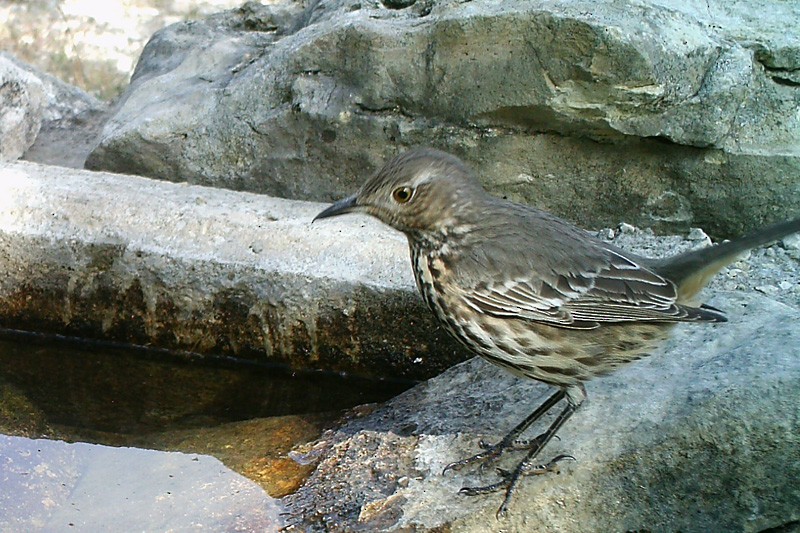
(702, 436)
(56, 486)
(225, 273)
(210, 271)
(257, 448)
(666, 115)
(18, 415)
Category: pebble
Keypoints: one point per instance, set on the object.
(607, 234)
(791, 242)
(697, 234)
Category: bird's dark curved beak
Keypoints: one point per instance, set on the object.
(345, 205)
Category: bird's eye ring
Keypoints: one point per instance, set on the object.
(402, 195)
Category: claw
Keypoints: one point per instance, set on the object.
(502, 511)
(489, 453)
(488, 489)
(543, 468)
(458, 465)
(451, 466)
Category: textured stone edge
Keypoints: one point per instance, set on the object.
(213, 272)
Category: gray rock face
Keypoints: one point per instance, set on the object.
(22, 102)
(68, 119)
(210, 271)
(656, 112)
(64, 104)
(702, 436)
(229, 273)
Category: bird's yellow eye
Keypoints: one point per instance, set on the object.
(402, 194)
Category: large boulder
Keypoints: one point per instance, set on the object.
(661, 113)
(66, 118)
(702, 436)
(212, 271)
(22, 102)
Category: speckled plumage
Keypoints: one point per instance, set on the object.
(529, 291)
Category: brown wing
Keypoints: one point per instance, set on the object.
(618, 290)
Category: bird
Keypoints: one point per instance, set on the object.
(531, 292)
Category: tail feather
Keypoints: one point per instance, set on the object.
(691, 271)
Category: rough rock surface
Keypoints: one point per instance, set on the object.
(210, 271)
(22, 101)
(702, 436)
(69, 119)
(228, 273)
(659, 112)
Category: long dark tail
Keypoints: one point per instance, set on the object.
(692, 270)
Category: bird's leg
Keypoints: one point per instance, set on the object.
(510, 441)
(526, 466)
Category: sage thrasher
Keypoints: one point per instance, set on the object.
(531, 292)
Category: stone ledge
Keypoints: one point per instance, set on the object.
(210, 271)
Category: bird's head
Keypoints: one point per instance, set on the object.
(419, 191)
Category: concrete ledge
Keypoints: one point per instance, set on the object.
(211, 271)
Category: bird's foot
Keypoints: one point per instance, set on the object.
(491, 452)
(510, 479)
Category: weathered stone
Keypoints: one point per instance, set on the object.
(661, 113)
(220, 272)
(210, 271)
(70, 120)
(702, 436)
(22, 101)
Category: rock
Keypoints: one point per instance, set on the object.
(64, 104)
(698, 235)
(70, 121)
(22, 101)
(665, 115)
(210, 271)
(702, 436)
(227, 273)
(56, 486)
(791, 242)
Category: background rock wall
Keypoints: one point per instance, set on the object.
(657, 113)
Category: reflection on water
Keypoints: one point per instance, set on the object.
(56, 486)
(246, 415)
